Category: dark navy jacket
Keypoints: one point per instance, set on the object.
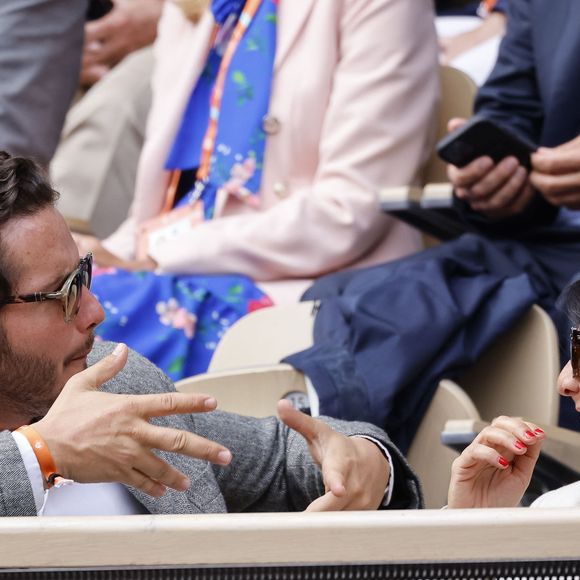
(535, 85)
(386, 335)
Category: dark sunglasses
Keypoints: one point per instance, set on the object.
(69, 294)
(575, 351)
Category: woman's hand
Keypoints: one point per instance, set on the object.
(105, 259)
(495, 470)
(354, 469)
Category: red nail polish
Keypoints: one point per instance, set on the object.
(519, 445)
(503, 462)
(529, 434)
(539, 431)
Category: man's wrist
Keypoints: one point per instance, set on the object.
(388, 493)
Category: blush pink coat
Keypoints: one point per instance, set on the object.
(354, 97)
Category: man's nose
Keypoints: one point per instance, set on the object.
(568, 385)
(91, 312)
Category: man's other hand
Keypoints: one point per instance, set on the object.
(102, 437)
(354, 470)
(496, 190)
(556, 173)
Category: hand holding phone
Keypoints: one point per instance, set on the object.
(489, 167)
(481, 137)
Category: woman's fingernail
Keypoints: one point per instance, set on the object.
(529, 434)
(519, 445)
(224, 457)
(503, 461)
(539, 431)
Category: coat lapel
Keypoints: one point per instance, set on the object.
(291, 17)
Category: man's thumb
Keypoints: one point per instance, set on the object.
(455, 123)
(102, 371)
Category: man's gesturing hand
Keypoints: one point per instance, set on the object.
(103, 437)
(354, 470)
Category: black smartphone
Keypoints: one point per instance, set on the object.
(482, 137)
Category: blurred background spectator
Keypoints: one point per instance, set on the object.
(95, 165)
(40, 56)
(469, 34)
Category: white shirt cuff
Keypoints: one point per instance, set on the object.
(32, 469)
(391, 483)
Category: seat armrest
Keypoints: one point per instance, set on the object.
(251, 391)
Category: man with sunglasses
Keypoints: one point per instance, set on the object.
(59, 426)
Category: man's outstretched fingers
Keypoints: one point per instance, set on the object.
(173, 404)
(145, 484)
(102, 371)
(185, 443)
(162, 472)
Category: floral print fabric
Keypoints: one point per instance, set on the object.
(175, 321)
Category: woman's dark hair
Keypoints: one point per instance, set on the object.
(24, 190)
(569, 302)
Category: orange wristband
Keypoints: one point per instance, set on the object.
(43, 455)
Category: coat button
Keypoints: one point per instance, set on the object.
(270, 124)
(280, 189)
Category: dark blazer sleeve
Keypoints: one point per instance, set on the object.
(272, 469)
(511, 96)
(16, 498)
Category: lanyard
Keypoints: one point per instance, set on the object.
(208, 145)
(209, 141)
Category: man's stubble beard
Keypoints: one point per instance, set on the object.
(28, 383)
(28, 386)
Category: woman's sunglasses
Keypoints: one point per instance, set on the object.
(69, 294)
(575, 351)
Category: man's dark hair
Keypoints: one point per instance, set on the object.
(24, 190)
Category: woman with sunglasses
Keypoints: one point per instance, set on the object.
(496, 468)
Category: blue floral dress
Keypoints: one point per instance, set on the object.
(176, 321)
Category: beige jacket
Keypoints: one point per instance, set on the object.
(354, 95)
